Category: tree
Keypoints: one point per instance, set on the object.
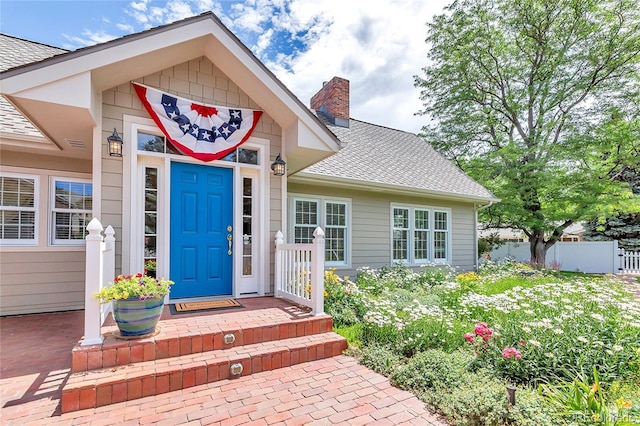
(624, 227)
(513, 89)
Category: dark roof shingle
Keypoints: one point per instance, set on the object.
(393, 157)
(15, 52)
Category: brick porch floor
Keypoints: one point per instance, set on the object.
(35, 363)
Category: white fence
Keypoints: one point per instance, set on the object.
(299, 271)
(629, 262)
(100, 269)
(597, 257)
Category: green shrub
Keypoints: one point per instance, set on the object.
(482, 400)
(432, 333)
(380, 359)
(432, 369)
(352, 333)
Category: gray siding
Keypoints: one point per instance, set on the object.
(42, 278)
(41, 281)
(371, 225)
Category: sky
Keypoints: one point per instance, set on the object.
(378, 45)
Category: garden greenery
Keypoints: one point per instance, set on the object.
(441, 334)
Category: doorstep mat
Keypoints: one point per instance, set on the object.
(203, 306)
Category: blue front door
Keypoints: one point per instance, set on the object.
(201, 230)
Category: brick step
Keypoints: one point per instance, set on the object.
(189, 338)
(91, 389)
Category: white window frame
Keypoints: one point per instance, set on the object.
(36, 210)
(322, 219)
(52, 210)
(431, 231)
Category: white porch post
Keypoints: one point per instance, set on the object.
(317, 272)
(277, 276)
(93, 282)
(108, 267)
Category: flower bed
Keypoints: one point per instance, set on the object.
(510, 328)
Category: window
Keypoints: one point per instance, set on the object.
(333, 217)
(155, 143)
(18, 207)
(71, 204)
(419, 235)
(150, 218)
(247, 226)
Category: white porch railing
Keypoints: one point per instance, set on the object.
(629, 261)
(299, 271)
(100, 266)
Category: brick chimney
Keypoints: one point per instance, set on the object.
(333, 100)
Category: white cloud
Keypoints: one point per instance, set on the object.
(378, 45)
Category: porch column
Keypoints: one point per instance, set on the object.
(92, 283)
(317, 272)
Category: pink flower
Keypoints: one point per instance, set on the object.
(511, 353)
(482, 329)
(469, 337)
(522, 342)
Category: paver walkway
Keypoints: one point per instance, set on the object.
(35, 359)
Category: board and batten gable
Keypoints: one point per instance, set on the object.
(370, 226)
(42, 277)
(199, 80)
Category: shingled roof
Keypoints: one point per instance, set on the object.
(15, 52)
(393, 158)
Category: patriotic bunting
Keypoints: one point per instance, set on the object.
(205, 132)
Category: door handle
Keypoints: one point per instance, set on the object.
(230, 241)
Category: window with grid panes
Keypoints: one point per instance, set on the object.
(18, 208)
(335, 231)
(72, 201)
(334, 221)
(419, 235)
(400, 242)
(440, 234)
(306, 220)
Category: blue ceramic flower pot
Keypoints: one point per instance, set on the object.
(136, 317)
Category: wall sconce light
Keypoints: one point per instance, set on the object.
(114, 143)
(278, 166)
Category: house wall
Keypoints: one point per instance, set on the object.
(371, 225)
(42, 278)
(202, 81)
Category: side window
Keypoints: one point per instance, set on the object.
(333, 217)
(18, 209)
(71, 204)
(419, 234)
(335, 232)
(306, 220)
(400, 243)
(440, 235)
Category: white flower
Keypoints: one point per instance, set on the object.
(534, 343)
(549, 355)
(582, 339)
(617, 348)
(558, 331)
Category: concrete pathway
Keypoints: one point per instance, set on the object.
(35, 360)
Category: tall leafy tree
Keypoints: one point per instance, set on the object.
(512, 88)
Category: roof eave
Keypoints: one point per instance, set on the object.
(340, 182)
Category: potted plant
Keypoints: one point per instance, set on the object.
(138, 301)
